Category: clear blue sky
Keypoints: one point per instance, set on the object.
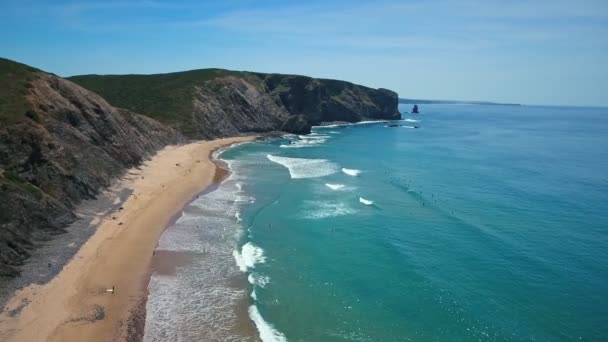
(533, 52)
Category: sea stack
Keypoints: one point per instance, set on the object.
(415, 109)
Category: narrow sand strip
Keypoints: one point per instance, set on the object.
(75, 305)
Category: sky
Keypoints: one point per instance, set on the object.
(551, 52)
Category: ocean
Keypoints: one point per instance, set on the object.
(485, 223)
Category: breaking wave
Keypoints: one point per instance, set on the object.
(366, 202)
(335, 186)
(259, 280)
(267, 332)
(351, 172)
(322, 209)
(307, 141)
(249, 256)
(305, 168)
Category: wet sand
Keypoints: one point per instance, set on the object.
(76, 304)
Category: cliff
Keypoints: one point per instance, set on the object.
(212, 103)
(61, 142)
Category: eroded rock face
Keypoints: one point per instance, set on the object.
(70, 146)
(262, 102)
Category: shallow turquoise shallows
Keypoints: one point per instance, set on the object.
(486, 223)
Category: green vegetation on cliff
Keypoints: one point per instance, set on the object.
(15, 82)
(164, 97)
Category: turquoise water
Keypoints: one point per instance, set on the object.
(488, 223)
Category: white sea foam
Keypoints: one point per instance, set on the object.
(305, 168)
(351, 172)
(237, 215)
(267, 332)
(334, 132)
(240, 198)
(259, 280)
(408, 126)
(366, 202)
(411, 120)
(323, 209)
(369, 122)
(249, 256)
(312, 139)
(333, 125)
(335, 186)
(253, 295)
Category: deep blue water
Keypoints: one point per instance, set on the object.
(488, 223)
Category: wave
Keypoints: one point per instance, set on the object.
(249, 256)
(333, 125)
(321, 210)
(240, 198)
(411, 120)
(305, 168)
(335, 186)
(267, 332)
(258, 280)
(237, 216)
(334, 132)
(408, 126)
(351, 172)
(313, 139)
(367, 122)
(366, 202)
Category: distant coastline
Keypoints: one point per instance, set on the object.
(482, 103)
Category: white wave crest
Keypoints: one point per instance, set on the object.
(237, 215)
(267, 332)
(369, 122)
(335, 186)
(366, 202)
(322, 209)
(256, 279)
(411, 120)
(249, 256)
(307, 141)
(305, 168)
(351, 172)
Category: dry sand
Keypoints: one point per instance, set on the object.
(74, 305)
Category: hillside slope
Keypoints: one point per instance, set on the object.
(59, 144)
(212, 103)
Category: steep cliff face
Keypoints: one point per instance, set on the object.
(215, 103)
(64, 145)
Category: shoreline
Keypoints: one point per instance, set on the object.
(75, 303)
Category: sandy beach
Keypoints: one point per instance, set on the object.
(77, 304)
